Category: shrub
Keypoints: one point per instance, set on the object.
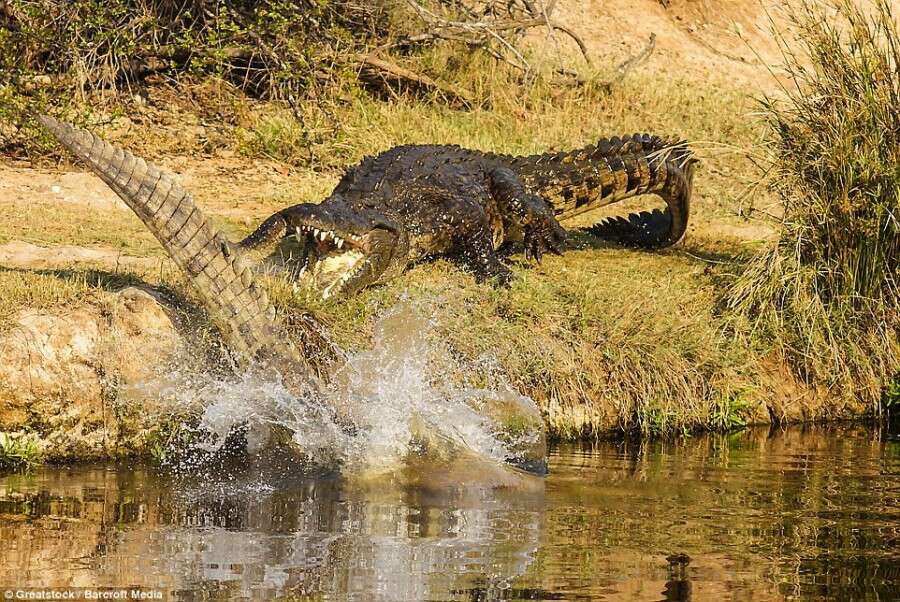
(266, 47)
(18, 452)
(828, 292)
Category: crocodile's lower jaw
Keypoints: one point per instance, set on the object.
(329, 273)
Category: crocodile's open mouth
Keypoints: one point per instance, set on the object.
(329, 260)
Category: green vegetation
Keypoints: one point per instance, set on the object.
(18, 451)
(57, 54)
(890, 401)
(172, 440)
(268, 48)
(828, 294)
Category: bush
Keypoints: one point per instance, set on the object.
(56, 55)
(265, 47)
(828, 292)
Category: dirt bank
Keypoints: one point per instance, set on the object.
(62, 373)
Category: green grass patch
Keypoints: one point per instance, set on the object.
(890, 400)
(19, 451)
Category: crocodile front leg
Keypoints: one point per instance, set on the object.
(442, 221)
(478, 254)
(542, 232)
(475, 245)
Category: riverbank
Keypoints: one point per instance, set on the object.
(607, 340)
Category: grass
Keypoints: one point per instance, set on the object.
(890, 400)
(20, 452)
(37, 290)
(827, 296)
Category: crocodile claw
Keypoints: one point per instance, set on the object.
(545, 236)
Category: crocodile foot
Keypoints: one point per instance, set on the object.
(543, 234)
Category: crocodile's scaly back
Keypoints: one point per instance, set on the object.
(224, 283)
(612, 170)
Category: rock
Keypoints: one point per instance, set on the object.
(141, 330)
(60, 371)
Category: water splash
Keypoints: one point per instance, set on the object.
(399, 396)
(402, 397)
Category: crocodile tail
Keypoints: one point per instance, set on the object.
(656, 229)
(582, 173)
(224, 282)
(614, 169)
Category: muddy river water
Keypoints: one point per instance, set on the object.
(801, 513)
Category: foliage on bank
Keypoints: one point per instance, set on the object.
(55, 54)
(19, 451)
(828, 294)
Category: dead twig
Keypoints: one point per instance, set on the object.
(485, 29)
(628, 65)
(395, 71)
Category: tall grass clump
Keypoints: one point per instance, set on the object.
(827, 294)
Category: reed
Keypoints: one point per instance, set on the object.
(827, 293)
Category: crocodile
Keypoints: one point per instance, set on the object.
(227, 285)
(417, 201)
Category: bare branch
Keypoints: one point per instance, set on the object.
(626, 66)
(397, 72)
(486, 28)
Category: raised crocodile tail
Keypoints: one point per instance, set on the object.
(225, 283)
(612, 170)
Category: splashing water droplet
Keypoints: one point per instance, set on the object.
(400, 396)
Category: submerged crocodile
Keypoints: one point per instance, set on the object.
(416, 201)
(226, 284)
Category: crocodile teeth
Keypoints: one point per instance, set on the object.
(315, 231)
(323, 235)
(339, 242)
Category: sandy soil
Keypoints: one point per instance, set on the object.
(727, 41)
(20, 254)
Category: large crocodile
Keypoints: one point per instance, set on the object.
(415, 201)
(226, 284)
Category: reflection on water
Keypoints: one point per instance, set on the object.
(807, 513)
